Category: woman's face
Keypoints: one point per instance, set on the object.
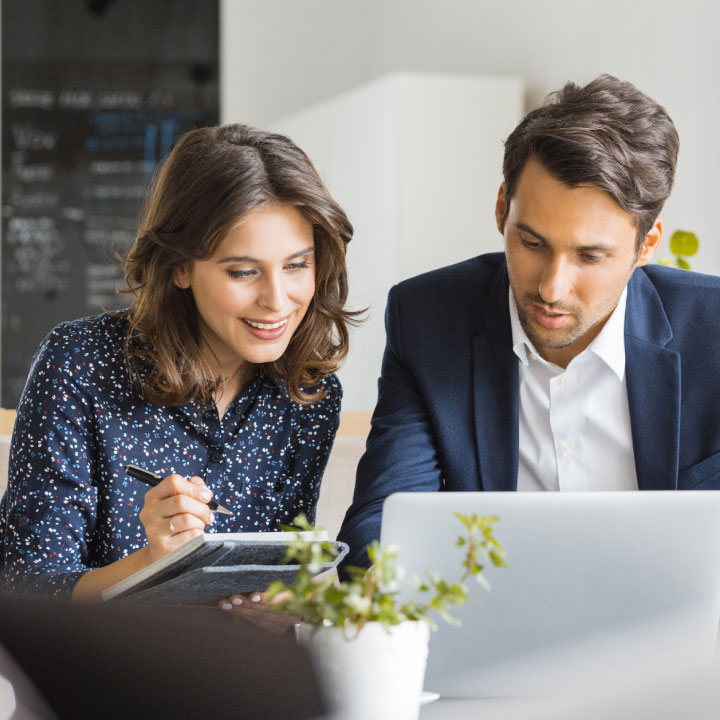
(253, 292)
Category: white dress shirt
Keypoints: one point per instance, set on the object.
(575, 423)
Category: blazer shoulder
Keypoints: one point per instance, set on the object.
(683, 288)
(690, 302)
(470, 277)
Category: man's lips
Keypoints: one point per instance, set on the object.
(548, 319)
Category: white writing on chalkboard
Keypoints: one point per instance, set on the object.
(34, 98)
(31, 98)
(30, 172)
(28, 137)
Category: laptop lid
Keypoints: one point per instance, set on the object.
(581, 567)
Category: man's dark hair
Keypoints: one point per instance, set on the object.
(607, 135)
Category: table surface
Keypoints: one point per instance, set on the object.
(486, 708)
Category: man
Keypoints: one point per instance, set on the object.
(568, 362)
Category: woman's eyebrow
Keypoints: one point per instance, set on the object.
(248, 259)
(306, 251)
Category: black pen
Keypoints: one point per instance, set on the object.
(150, 478)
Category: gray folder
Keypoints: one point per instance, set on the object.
(217, 569)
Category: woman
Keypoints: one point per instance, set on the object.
(219, 377)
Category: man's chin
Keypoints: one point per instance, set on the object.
(552, 340)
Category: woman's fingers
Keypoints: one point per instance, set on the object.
(174, 512)
(182, 522)
(254, 609)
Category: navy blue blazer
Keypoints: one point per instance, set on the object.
(447, 410)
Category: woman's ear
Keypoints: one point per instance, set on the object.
(181, 277)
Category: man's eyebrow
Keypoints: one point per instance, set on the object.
(248, 259)
(528, 229)
(595, 247)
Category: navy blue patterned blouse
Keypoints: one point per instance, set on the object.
(70, 506)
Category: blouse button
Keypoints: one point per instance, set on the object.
(217, 455)
(23, 520)
(239, 409)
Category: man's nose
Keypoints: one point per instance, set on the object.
(555, 281)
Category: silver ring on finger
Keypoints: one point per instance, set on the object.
(172, 527)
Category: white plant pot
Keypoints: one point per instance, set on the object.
(372, 674)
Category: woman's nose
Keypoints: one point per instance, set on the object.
(273, 295)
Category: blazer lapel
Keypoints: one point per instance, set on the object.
(495, 383)
(653, 386)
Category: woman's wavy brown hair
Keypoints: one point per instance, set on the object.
(210, 180)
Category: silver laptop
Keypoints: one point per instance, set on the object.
(586, 571)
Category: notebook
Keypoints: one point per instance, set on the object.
(584, 571)
(215, 565)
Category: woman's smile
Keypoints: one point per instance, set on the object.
(267, 329)
(253, 292)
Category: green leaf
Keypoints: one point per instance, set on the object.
(683, 263)
(683, 242)
(372, 594)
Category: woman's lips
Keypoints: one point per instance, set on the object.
(548, 320)
(266, 329)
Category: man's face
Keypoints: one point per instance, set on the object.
(570, 253)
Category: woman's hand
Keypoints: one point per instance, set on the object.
(254, 609)
(175, 511)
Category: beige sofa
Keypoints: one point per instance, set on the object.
(338, 481)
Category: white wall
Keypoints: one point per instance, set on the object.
(407, 155)
(281, 55)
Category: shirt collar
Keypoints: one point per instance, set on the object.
(609, 345)
(522, 346)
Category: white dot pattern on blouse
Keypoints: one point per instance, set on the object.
(70, 506)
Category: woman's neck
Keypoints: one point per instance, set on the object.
(231, 385)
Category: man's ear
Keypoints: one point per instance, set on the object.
(500, 208)
(181, 277)
(651, 243)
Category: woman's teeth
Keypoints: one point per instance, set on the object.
(267, 326)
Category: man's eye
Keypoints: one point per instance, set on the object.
(237, 274)
(591, 258)
(531, 244)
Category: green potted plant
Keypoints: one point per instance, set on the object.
(683, 244)
(365, 632)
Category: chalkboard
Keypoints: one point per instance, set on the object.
(90, 105)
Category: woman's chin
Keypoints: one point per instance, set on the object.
(269, 354)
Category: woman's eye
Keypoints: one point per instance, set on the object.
(297, 266)
(238, 274)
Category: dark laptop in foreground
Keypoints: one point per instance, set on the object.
(596, 584)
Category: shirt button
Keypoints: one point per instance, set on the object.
(23, 520)
(533, 356)
(217, 455)
(561, 382)
(567, 448)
